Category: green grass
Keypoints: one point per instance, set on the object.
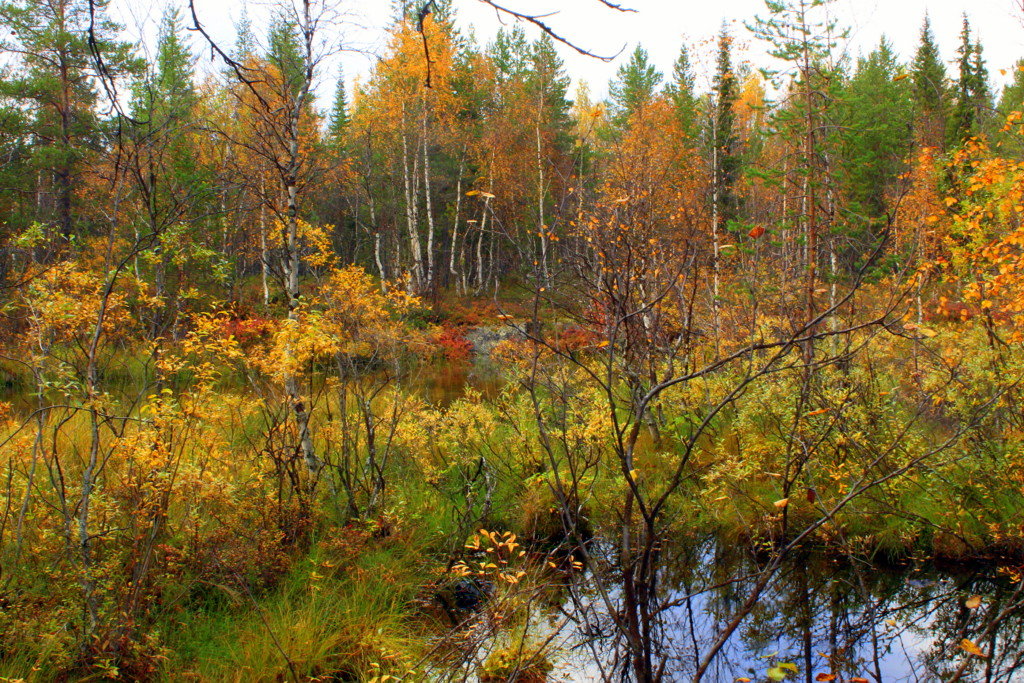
(328, 618)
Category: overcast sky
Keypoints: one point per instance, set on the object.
(661, 26)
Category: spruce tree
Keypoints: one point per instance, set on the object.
(725, 145)
(1012, 98)
(876, 135)
(285, 52)
(963, 123)
(682, 93)
(802, 34)
(549, 82)
(339, 122)
(175, 71)
(931, 100)
(981, 92)
(245, 41)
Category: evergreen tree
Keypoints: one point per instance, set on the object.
(801, 34)
(510, 54)
(245, 42)
(981, 91)
(548, 88)
(174, 86)
(16, 171)
(55, 86)
(169, 185)
(1012, 98)
(285, 52)
(413, 10)
(635, 84)
(964, 120)
(402, 10)
(682, 92)
(725, 144)
(550, 83)
(928, 75)
(165, 96)
(339, 122)
(877, 135)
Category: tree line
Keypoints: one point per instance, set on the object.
(455, 165)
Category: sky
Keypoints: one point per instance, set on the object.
(661, 26)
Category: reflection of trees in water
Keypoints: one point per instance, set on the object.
(848, 618)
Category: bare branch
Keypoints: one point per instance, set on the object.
(538, 20)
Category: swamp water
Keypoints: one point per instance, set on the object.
(820, 617)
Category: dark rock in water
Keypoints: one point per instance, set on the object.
(463, 596)
(469, 595)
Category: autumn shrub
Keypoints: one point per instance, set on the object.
(250, 330)
(516, 663)
(539, 512)
(453, 343)
(572, 338)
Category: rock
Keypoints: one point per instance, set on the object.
(486, 337)
(470, 595)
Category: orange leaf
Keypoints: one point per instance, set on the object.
(858, 679)
(969, 647)
(973, 602)
(781, 504)
(756, 231)
(825, 677)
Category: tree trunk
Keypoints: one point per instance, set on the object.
(410, 215)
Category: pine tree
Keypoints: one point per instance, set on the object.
(635, 84)
(56, 85)
(682, 92)
(928, 74)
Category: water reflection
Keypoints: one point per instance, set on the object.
(445, 382)
(818, 618)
